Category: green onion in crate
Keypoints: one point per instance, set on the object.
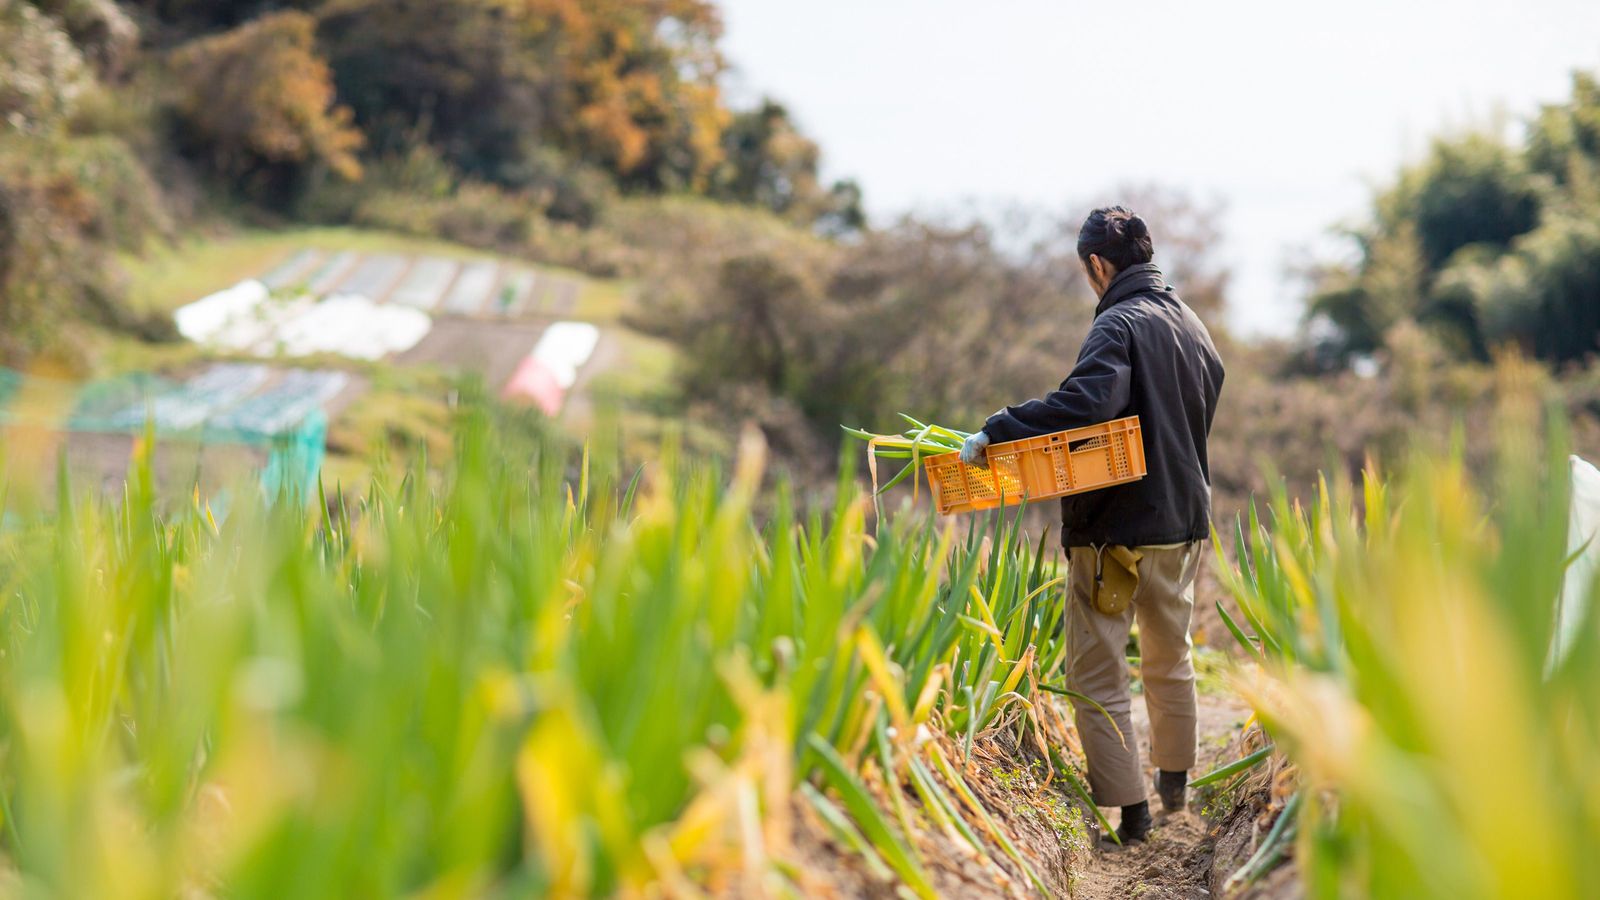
(916, 442)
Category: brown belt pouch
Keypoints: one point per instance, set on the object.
(1116, 578)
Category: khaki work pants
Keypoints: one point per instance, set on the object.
(1097, 667)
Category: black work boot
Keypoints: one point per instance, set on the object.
(1136, 823)
(1172, 787)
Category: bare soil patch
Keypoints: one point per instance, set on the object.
(490, 349)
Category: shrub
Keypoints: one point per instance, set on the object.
(42, 74)
(568, 189)
(257, 105)
(1541, 296)
(65, 205)
(105, 34)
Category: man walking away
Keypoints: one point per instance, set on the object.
(1132, 550)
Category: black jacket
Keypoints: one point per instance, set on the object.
(1147, 355)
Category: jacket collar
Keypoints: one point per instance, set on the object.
(1139, 279)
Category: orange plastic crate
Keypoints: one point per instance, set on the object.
(1051, 465)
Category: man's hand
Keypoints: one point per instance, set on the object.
(972, 451)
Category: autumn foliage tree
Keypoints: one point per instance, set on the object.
(626, 87)
(568, 100)
(257, 105)
(635, 84)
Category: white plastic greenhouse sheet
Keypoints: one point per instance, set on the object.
(424, 287)
(353, 326)
(1583, 546)
(294, 270)
(201, 320)
(374, 277)
(565, 347)
(471, 292)
(257, 332)
(332, 272)
(517, 295)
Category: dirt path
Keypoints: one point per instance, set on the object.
(1175, 864)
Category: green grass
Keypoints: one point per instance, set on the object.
(603, 301)
(645, 374)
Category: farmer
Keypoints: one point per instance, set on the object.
(1132, 550)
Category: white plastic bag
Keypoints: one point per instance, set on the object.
(1583, 539)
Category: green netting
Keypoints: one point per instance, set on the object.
(10, 382)
(225, 404)
(296, 458)
(100, 403)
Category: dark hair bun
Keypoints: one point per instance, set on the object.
(1118, 236)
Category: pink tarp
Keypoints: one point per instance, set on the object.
(552, 368)
(536, 383)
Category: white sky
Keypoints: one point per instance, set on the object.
(1286, 111)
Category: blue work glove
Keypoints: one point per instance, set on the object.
(972, 451)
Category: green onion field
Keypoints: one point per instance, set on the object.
(533, 672)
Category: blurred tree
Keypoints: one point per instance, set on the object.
(182, 19)
(1453, 314)
(1564, 141)
(569, 190)
(1362, 306)
(257, 105)
(70, 195)
(919, 317)
(1475, 190)
(1544, 296)
(100, 29)
(42, 75)
(936, 320)
(1564, 257)
(66, 205)
(635, 85)
(1468, 202)
(768, 162)
(454, 73)
(846, 213)
(758, 331)
(539, 93)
